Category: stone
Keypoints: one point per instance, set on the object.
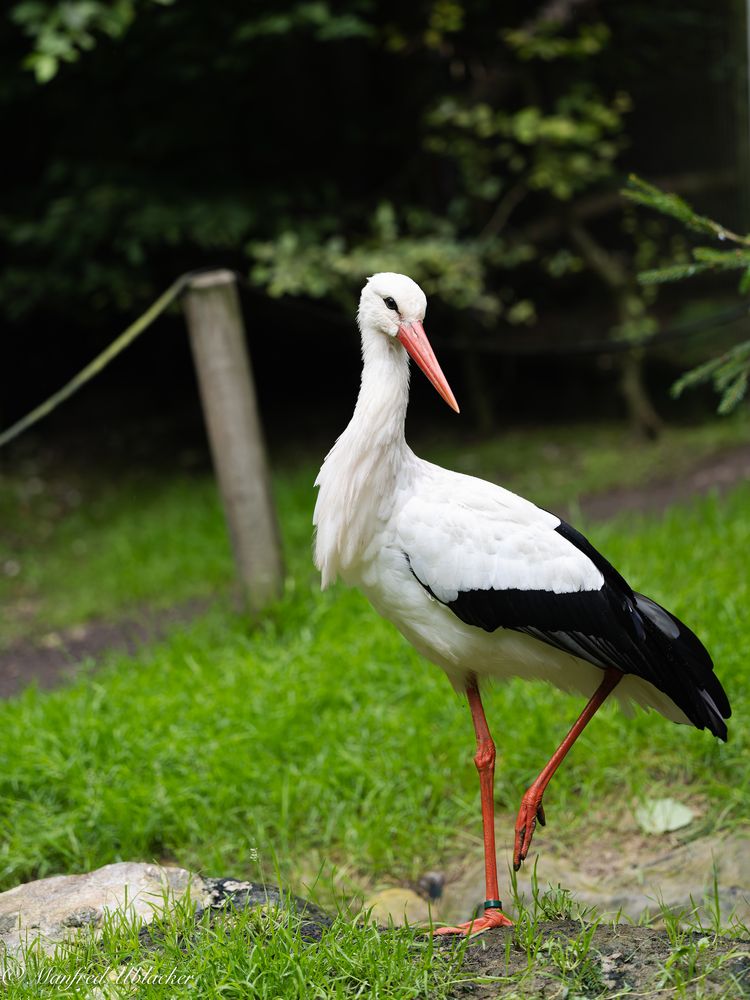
(398, 906)
(431, 885)
(627, 959)
(52, 911)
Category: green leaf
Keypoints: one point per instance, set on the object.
(695, 376)
(663, 815)
(725, 259)
(674, 272)
(44, 65)
(729, 373)
(734, 393)
(668, 203)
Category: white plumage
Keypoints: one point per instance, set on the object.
(465, 534)
(482, 582)
(378, 501)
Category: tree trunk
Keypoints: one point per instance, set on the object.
(644, 419)
(480, 401)
(217, 337)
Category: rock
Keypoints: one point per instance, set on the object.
(54, 910)
(223, 893)
(398, 906)
(431, 885)
(621, 959)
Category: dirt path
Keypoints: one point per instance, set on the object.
(57, 655)
(718, 472)
(54, 656)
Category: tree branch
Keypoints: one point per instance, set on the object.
(595, 205)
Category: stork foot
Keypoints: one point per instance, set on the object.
(530, 813)
(491, 918)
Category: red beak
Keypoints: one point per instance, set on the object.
(414, 339)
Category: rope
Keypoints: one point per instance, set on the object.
(684, 331)
(177, 287)
(101, 361)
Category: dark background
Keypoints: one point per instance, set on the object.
(194, 132)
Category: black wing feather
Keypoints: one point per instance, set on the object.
(612, 626)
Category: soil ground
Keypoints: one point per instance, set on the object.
(714, 473)
(55, 656)
(622, 960)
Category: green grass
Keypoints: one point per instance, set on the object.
(78, 548)
(75, 546)
(322, 735)
(554, 949)
(260, 955)
(321, 738)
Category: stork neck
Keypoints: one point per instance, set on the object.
(358, 480)
(380, 413)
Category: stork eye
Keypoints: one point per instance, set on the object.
(391, 303)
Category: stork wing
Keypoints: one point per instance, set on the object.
(497, 561)
(462, 534)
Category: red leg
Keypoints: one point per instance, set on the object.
(531, 805)
(485, 762)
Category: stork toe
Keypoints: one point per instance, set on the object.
(530, 813)
(492, 918)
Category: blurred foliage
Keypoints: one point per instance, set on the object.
(61, 31)
(311, 143)
(497, 152)
(101, 211)
(729, 372)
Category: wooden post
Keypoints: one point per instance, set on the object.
(217, 339)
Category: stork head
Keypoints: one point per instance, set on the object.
(394, 306)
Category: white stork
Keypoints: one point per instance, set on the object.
(482, 582)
